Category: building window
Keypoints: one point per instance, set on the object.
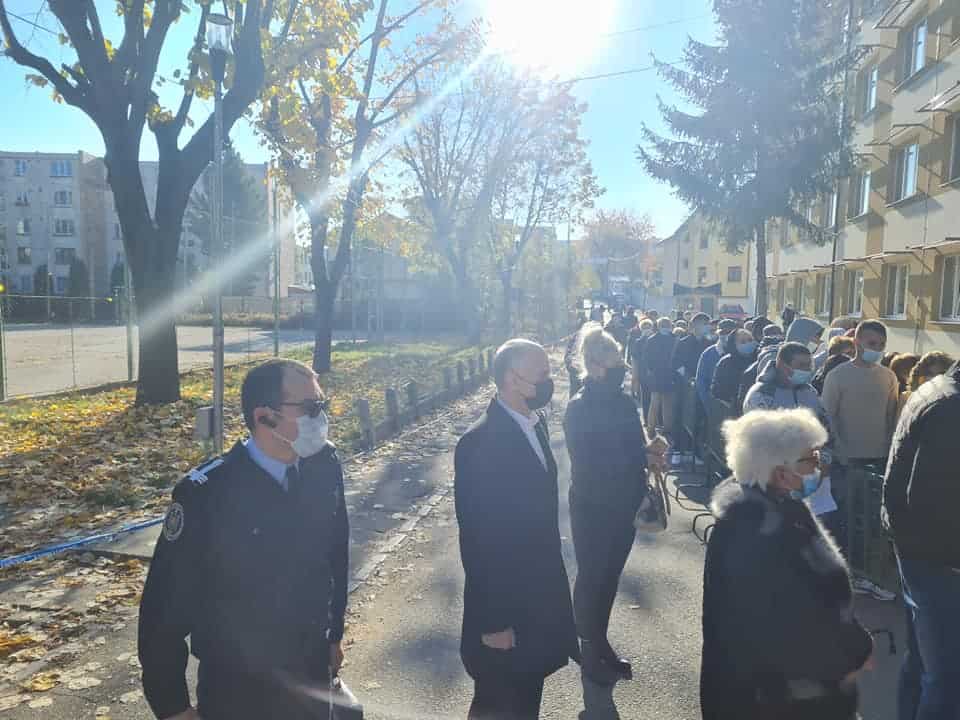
(686, 264)
(60, 285)
(61, 168)
(701, 275)
(734, 274)
(905, 172)
(26, 283)
(24, 255)
(64, 256)
(895, 290)
(950, 293)
(4, 260)
(824, 288)
(870, 82)
(853, 297)
(859, 195)
(22, 199)
(831, 209)
(799, 294)
(63, 227)
(19, 168)
(915, 49)
(954, 173)
(704, 241)
(63, 198)
(23, 226)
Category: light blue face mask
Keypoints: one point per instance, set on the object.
(746, 348)
(811, 483)
(801, 377)
(872, 357)
(666, 331)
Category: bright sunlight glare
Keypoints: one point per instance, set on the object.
(547, 35)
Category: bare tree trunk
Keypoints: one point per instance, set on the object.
(323, 330)
(506, 318)
(760, 235)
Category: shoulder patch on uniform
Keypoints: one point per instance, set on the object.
(199, 474)
(173, 522)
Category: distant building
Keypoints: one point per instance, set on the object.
(58, 206)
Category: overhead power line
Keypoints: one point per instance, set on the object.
(643, 28)
(34, 25)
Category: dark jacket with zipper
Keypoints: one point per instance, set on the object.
(607, 447)
(686, 355)
(257, 577)
(656, 363)
(508, 513)
(779, 633)
(726, 378)
(921, 491)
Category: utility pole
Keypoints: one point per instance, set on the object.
(128, 293)
(276, 270)
(848, 43)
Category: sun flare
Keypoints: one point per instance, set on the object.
(556, 37)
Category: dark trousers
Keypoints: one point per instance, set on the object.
(506, 697)
(602, 539)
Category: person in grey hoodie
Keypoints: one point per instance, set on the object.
(785, 384)
(803, 330)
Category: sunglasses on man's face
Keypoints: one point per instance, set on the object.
(310, 407)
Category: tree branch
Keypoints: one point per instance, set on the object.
(194, 72)
(428, 60)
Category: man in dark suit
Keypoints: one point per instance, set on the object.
(518, 625)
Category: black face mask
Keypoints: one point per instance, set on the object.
(543, 395)
(614, 377)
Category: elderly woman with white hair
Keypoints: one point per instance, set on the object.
(779, 636)
(609, 456)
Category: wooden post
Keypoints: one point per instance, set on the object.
(461, 377)
(413, 399)
(393, 408)
(362, 407)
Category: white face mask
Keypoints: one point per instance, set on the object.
(311, 435)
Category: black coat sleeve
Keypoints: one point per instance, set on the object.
(485, 544)
(725, 380)
(169, 602)
(339, 562)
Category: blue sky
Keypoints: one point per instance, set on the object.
(617, 105)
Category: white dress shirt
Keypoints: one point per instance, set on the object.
(528, 425)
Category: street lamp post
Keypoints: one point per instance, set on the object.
(218, 41)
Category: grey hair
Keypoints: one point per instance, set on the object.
(762, 440)
(595, 348)
(509, 354)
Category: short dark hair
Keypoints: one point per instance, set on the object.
(263, 386)
(788, 351)
(871, 326)
(700, 317)
(727, 324)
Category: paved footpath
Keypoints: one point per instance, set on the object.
(404, 624)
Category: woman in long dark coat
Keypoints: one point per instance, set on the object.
(609, 459)
(780, 641)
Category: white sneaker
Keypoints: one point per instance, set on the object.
(862, 586)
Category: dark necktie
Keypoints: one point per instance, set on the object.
(292, 478)
(544, 443)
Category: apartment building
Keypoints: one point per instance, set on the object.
(897, 253)
(695, 271)
(55, 207)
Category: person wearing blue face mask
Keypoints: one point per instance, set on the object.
(780, 637)
(741, 351)
(784, 385)
(861, 397)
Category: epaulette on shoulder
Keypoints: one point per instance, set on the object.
(199, 475)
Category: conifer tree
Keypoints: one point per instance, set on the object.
(764, 139)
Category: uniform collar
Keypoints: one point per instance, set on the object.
(277, 469)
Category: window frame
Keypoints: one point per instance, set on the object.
(701, 274)
(799, 294)
(64, 227)
(864, 182)
(61, 168)
(23, 227)
(892, 307)
(953, 169)
(824, 289)
(19, 167)
(739, 274)
(853, 293)
(64, 252)
(24, 255)
(903, 176)
(66, 194)
(912, 49)
(4, 259)
(60, 284)
(954, 314)
(22, 199)
(871, 89)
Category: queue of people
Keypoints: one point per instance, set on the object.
(780, 637)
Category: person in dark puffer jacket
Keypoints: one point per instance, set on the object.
(741, 351)
(609, 456)
(780, 640)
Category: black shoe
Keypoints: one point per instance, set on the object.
(595, 667)
(618, 664)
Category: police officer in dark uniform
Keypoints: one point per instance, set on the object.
(252, 565)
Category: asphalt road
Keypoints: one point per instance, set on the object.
(43, 359)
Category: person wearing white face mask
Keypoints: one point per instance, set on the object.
(252, 565)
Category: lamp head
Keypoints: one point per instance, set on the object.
(218, 32)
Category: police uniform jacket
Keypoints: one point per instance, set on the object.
(256, 575)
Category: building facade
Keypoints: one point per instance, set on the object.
(896, 252)
(695, 271)
(55, 207)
